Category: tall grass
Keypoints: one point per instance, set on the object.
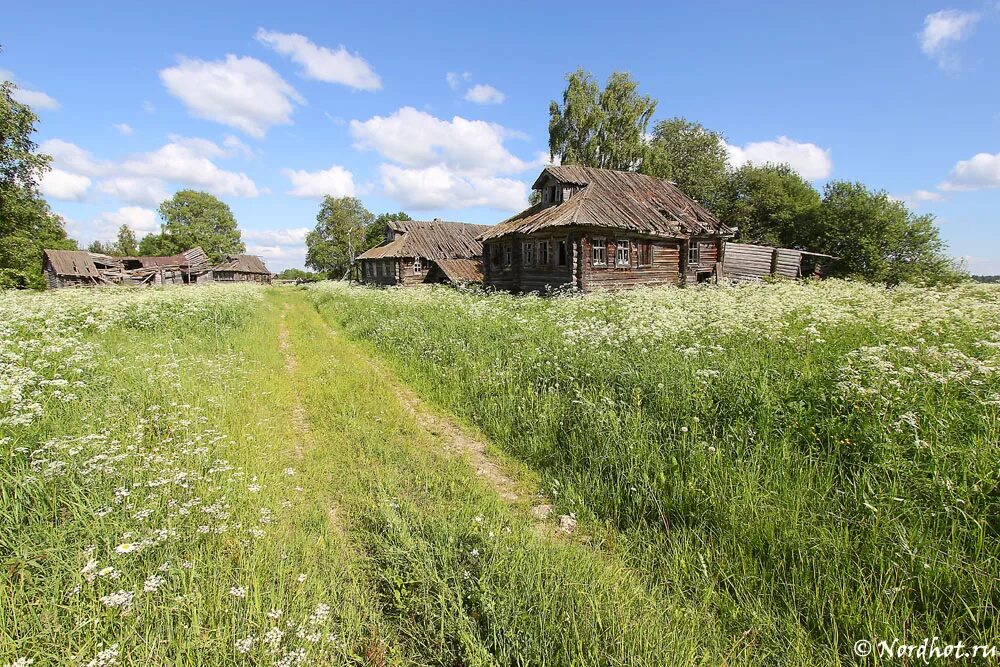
(816, 463)
(149, 511)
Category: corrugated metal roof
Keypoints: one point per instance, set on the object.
(242, 264)
(73, 263)
(462, 270)
(616, 200)
(431, 240)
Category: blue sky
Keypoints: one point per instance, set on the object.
(441, 110)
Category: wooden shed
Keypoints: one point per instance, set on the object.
(416, 252)
(745, 261)
(603, 228)
(70, 268)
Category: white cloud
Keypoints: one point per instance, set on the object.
(335, 181)
(418, 139)
(242, 92)
(124, 128)
(187, 161)
(134, 189)
(455, 79)
(944, 29)
(142, 221)
(322, 63)
(440, 187)
(295, 236)
(917, 197)
(236, 147)
(811, 161)
(484, 94)
(72, 158)
(142, 178)
(33, 98)
(444, 164)
(59, 184)
(980, 172)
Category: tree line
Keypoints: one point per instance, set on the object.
(876, 237)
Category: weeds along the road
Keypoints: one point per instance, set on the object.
(161, 502)
(809, 464)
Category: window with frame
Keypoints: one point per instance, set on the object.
(528, 253)
(508, 252)
(623, 256)
(543, 253)
(694, 253)
(495, 254)
(418, 266)
(561, 253)
(600, 252)
(645, 253)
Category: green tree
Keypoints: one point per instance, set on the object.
(770, 205)
(192, 218)
(690, 155)
(600, 128)
(27, 224)
(102, 248)
(126, 245)
(339, 234)
(879, 239)
(299, 274)
(376, 232)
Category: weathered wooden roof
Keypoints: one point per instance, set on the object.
(242, 264)
(615, 200)
(462, 270)
(431, 240)
(72, 263)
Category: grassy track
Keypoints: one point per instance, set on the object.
(806, 464)
(210, 496)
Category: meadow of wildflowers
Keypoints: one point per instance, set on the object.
(813, 463)
(762, 474)
(134, 526)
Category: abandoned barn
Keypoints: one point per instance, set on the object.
(416, 252)
(602, 228)
(79, 268)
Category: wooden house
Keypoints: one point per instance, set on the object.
(602, 228)
(416, 252)
(239, 268)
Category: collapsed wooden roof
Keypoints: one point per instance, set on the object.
(615, 200)
(242, 264)
(75, 263)
(80, 263)
(430, 240)
(462, 270)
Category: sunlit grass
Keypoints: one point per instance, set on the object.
(814, 463)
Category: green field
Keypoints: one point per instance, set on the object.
(340, 475)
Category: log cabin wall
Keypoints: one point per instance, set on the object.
(651, 261)
(538, 262)
(701, 266)
(499, 263)
(383, 272)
